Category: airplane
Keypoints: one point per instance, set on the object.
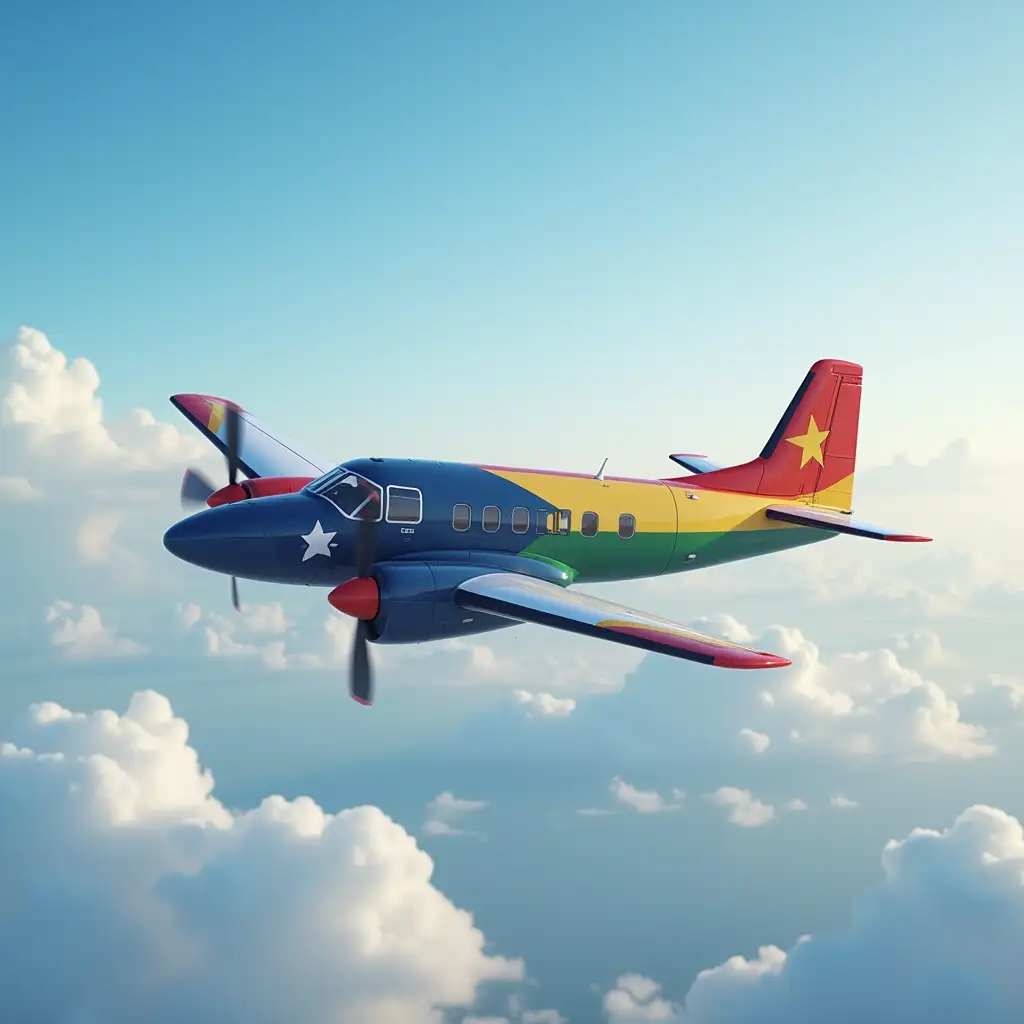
(418, 550)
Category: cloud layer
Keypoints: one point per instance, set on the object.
(938, 939)
(138, 896)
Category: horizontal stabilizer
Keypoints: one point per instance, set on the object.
(837, 522)
(695, 463)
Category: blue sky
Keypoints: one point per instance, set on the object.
(588, 205)
(540, 235)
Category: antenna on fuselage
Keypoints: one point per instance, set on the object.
(599, 475)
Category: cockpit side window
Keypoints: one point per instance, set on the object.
(353, 495)
(405, 504)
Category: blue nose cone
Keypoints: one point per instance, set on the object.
(221, 539)
(259, 539)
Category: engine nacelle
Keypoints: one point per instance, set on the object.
(260, 487)
(417, 604)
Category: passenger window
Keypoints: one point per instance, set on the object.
(545, 521)
(520, 520)
(491, 518)
(627, 525)
(462, 516)
(405, 505)
(588, 524)
(564, 521)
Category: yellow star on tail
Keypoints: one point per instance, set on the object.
(810, 444)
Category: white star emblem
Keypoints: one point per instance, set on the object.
(319, 543)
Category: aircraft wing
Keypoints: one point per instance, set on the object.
(837, 522)
(262, 453)
(526, 599)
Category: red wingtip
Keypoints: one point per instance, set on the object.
(749, 659)
(359, 700)
(908, 538)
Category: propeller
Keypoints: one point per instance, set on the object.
(360, 598)
(361, 677)
(196, 487)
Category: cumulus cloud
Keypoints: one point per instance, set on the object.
(79, 632)
(938, 939)
(636, 999)
(867, 702)
(744, 808)
(758, 742)
(139, 896)
(568, 666)
(54, 409)
(544, 705)
(852, 705)
(445, 809)
(520, 1017)
(188, 614)
(646, 801)
(796, 804)
(842, 802)
(245, 636)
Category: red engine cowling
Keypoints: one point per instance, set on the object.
(261, 487)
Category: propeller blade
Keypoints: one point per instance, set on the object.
(365, 544)
(234, 442)
(361, 683)
(234, 594)
(195, 489)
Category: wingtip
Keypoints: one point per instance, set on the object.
(750, 659)
(361, 700)
(908, 538)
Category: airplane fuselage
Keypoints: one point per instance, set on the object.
(575, 528)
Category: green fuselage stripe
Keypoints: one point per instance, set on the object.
(607, 557)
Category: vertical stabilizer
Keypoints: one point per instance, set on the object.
(812, 452)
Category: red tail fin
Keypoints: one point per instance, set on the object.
(813, 450)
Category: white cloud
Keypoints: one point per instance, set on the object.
(636, 1000)
(96, 545)
(221, 637)
(866, 702)
(757, 741)
(86, 636)
(796, 804)
(266, 618)
(544, 705)
(188, 614)
(593, 812)
(744, 808)
(17, 488)
(842, 802)
(572, 664)
(435, 827)
(126, 866)
(645, 801)
(447, 808)
(938, 939)
(53, 407)
(96, 533)
(520, 1017)
(449, 805)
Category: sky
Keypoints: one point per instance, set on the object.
(535, 235)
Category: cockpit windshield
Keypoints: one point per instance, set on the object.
(353, 495)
